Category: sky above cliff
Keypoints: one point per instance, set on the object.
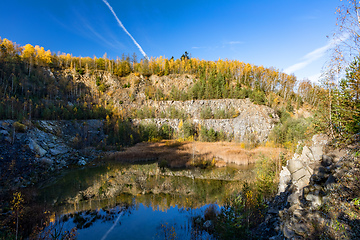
(290, 35)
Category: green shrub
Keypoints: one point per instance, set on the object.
(166, 131)
(19, 127)
(265, 182)
(176, 114)
(98, 81)
(102, 87)
(188, 129)
(240, 214)
(163, 164)
(206, 113)
(149, 132)
(211, 135)
(243, 93)
(225, 113)
(290, 131)
(258, 97)
(145, 112)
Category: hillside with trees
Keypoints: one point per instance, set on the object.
(98, 110)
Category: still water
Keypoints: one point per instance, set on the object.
(139, 201)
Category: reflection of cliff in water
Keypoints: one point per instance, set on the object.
(96, 188)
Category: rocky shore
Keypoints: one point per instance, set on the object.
(318, 195)
(35, 149)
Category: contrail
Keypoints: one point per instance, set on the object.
(112, 227)
(126, 31)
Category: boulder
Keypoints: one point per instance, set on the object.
(315, 199)
(4, 133)
(81, 162)
(59, 149)
(320, 140)
(293, 199)
(317, 152)
(320, 177)
(326, 161)
(294, 165)
(299, 174)
(36, 148)
(285, 178)
(46, 161)
(330, 183)
(307, 154)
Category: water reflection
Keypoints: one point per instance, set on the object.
(139, 201)
(136, 221)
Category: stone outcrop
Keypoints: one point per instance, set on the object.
(253, 123)
(300, 168)
(315, 192)
(46, 146)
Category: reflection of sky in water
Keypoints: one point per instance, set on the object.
(140, 223)
(159, 200)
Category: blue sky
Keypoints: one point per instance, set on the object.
(290, 35)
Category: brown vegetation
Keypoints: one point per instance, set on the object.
(181, 154)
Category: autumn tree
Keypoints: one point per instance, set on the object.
(346, 38)
(346, 107)
(28, 55)
(341, 79)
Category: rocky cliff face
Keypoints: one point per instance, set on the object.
(318, 195)
(253, 123)
(39, 147)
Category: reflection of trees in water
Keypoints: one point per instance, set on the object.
(200, 192)
(86, 218)
(113, 209)
(114, 191)
(188, 230)
(109, 181)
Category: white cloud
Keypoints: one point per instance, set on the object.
(235, 42)
(315, 55)
(315, 78)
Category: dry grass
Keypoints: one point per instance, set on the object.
(180, 154)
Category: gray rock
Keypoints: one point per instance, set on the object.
(36, 148)
(198, 220)
(60, 149)
(330, 183)
(318, 178)
(323, 170)
(302, 182)
(294, 165)
(326, 160)
(294, 198)
(288, 231)
(299, 174)
(208, 224)
(307, 154)
(320, 139)
(284, 179)
(4, 133)
(46, 161)
(81, 162)
(300, 228)
(253, 123)
(317, 152)
(62, 163)
(315, 199)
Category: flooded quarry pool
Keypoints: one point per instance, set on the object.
(142, 201)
